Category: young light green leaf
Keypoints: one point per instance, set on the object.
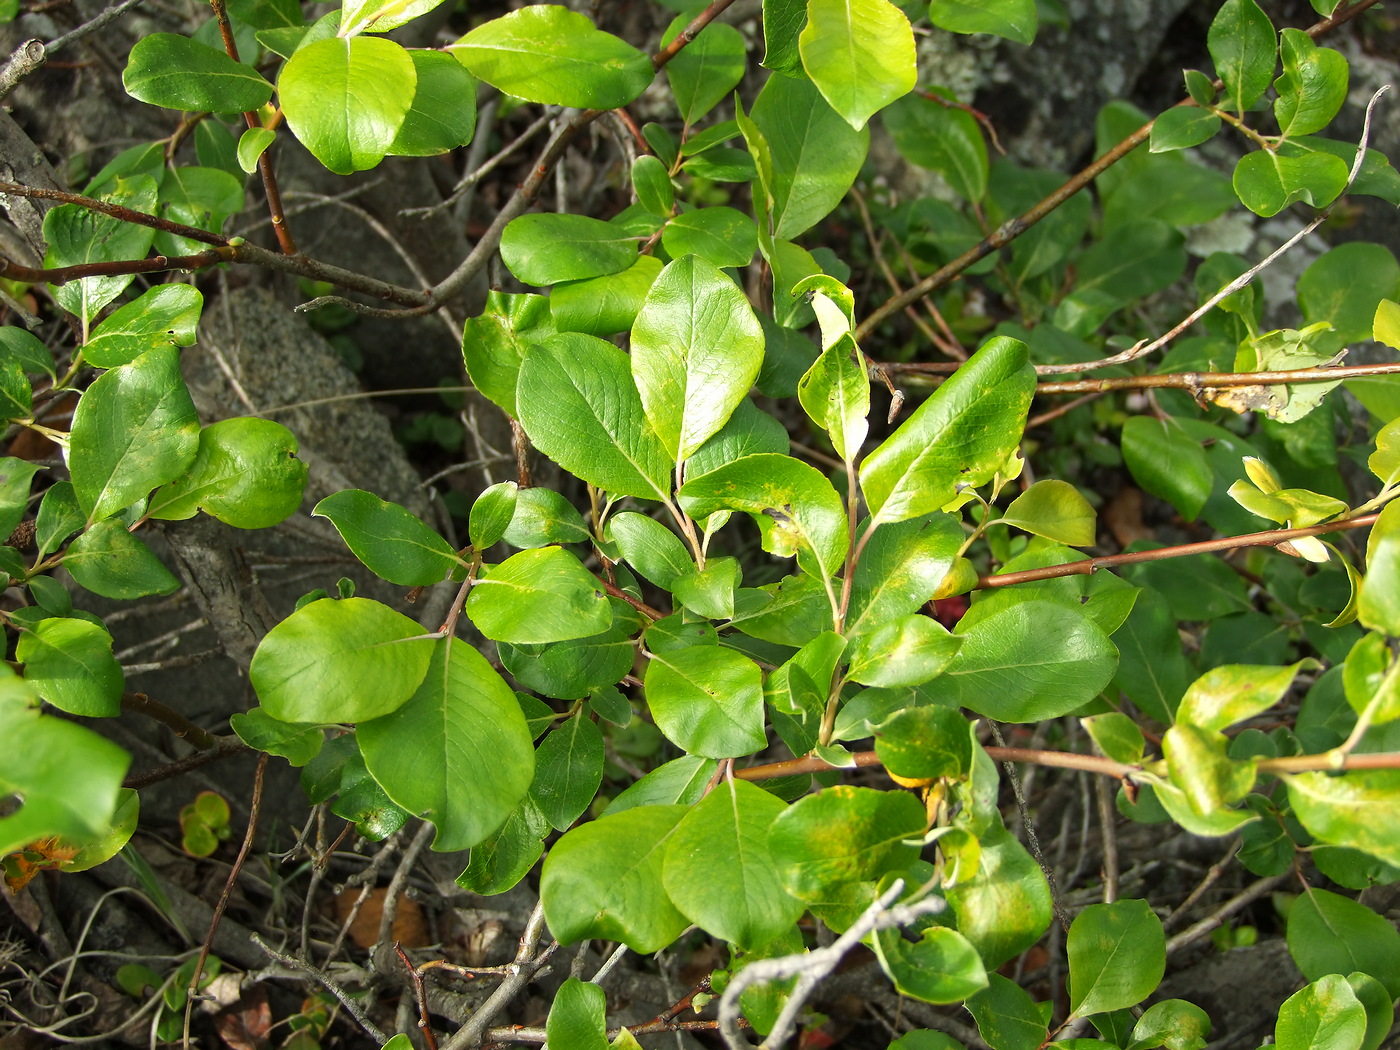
(346, 99)
(835, 393)
(1226, 695)
(1379, 605)
(1328, 933)
(457, 752)
(177, 73)
(69, 663)
(110, 561)
(547, 53)
(696, 349)
(568, 770)
(707, 701)
(860, 54)
(380, 16)
(1243, 46)
(252, 144)
(795, 506)
(719, 871)
(245, 473)
(390, 541)
(542, 248)
(604, 879)
(1117, 955)
(165, 315)
(135, 428)
(1117, 735)
(1354, 809)
(443, 114)
(960, 436)
(650, 547)
(339, 661)
(543, 595)
(491, 514)
(1053, 509)
(581, 408)
(1015, 20)
(578, 1016)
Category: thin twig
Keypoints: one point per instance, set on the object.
(357, 1011)
(1216, 870)
(1032, 839)
(421, 994)
(1198, 930)
(470, 179)
(522, 971)
(224, 747)
(174, 720)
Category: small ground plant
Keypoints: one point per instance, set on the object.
(819, 527)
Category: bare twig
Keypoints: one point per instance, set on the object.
(357, 1011)
(224, 747)
(470, 179)
(421, 994)
(1198, 930)
(522, 970)
(174, 720)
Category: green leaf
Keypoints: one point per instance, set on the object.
(1328, 933)
(722, 236)
(1344, 287)
(346, 100)
(1172, 1023)
(1117, 736)
(815, 155)
(696, 349)
(1313, 86)
(1354, 809)
(604, 305)
(709, 592)
(542, 517)
(457, 752)
(572, 669)
(680, 781)
(651, 181)
(547, 53)
(1117, 955)
(245, 473)
(505, 858)
(793, 504)
(493, 345)
(1181, 127)
(69, 663)
(719, 871)
(1385, 461)
(541, 249)
(924, 743)
(26, 350)
(110, 561)
(298, 744)
(135, 428)
(1380, 1012)
(578, 1016)
(1326, 1015)
(941, 967)
(1226, 695)
(1053, 509)
(200, 197)
(443, 114)
(1379, 605)
(1168, 463)
(650, 547)
(15, 478)
(783, 20)
(906, 651)
(860, 54)
(543, 595)
(59, 514)
(1005, 907)
(604, 880)
(79, 235)
(491, 514)
(380, 16)
(1014, 20)
(901, 568)
(707, 701)
(70, 778)
(177, 73)
(165, 315)
(1006, 1017)
(390, 541)
(1242, 45)
(959, 437)
(844, 835)
(939, 136)
(709, 68)
(835, 393)
(251, 145)
(581, 408)
(568, 770)
(1267, 182)
(1032, 661)
(339, 661)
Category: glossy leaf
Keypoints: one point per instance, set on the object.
(1354, 809)
(1172, 1023)
(135, 428)
(1267, 182)
(505, 858)
(572, 669)
(604, 879)
(245, 473)
(339, 661)
(1016, 20)
(578, 1016)
(960, 436)
(604, 305)
(680, 781)
(1181, 127)
(165, 315)
(1005, 907)
(110, 561)
(901, 568)
(707, 701)
(719, 871)
(78, 235)
(541, 517)
(1117, 955)
(389, 540)
(543, 595)
(835, 393)
(906, 651)
(941, 967)
(251, 146)
(443, 114)
(547, 53)
(1226, 695)
(1379, 605)
(1053, 509)
(708, 69)
(541, 249)
(1328, 933)
(1243, 46)
(16, 475)
(178, 73)
(722, 236)
(568, 770)
(69, 663)
(581, 408)
(860, 54)
(1006, 1017)
(1326, 1015)
(457, 752)
(650, 547)
(1168, 463)
(1313, 86)
(493, 344)
(298, 744)
(924, 743)
(491, 514)
(696, 349)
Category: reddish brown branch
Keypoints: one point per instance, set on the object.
(174, 720)
(155, 264)
(689, 33)
(1089, 566)
(224, 747)
(116, 211)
